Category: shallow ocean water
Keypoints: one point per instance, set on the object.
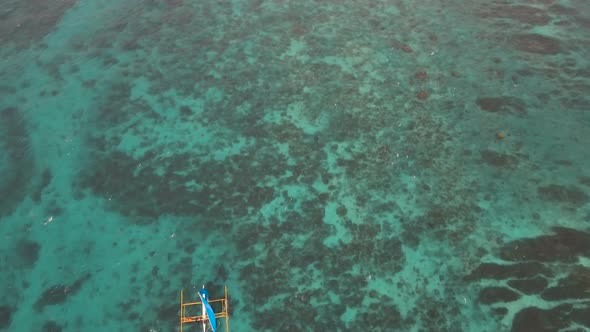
(339, 165)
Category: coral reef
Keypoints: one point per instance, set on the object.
(15, 143)
(58, 294)
(564, 245)
(502, 104)
(563, 194)
(534, 257)
(491, 295)
(574, 286)
(422, 95)
(557, 318)
(335, 161)
(521, 13)
(28, 21)
(530, 286)
(497, 159)
(51, 326)
(5, 316)
(27, 253)
(421, 75)
(505, 271)
(536, 43)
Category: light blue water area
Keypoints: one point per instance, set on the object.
(339, 165)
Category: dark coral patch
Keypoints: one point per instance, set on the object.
(15, 144)
(46, 178)
(29, 21)
(146, 195)
(582, 316)
(501, 104)
(422, 75)
(406, 48)
(27, 252)
(491, 295)
(529, 15)
(51, 326)
(422, 95)
(534, 319)
(585, 180)
(445, 222)
(554, 319)
(5, 316)
(582, 21)
(258, 196)
(5, 89)
(501, 311)
(529, 286)
(575, 286)
(497, 159)
(58, 294)
(341, 211)
(565, 246)
(524, 14)
(387, 314)
(563, 10)
(167, 312)
(535, 43)
(89, 84)
(546, 2)
(186, 111)
(563, 194)
(499, 272)
(222, 273)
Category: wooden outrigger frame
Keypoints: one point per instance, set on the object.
(184, 319)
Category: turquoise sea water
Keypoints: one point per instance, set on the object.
(339, 165)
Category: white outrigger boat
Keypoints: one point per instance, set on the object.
(208, 317)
